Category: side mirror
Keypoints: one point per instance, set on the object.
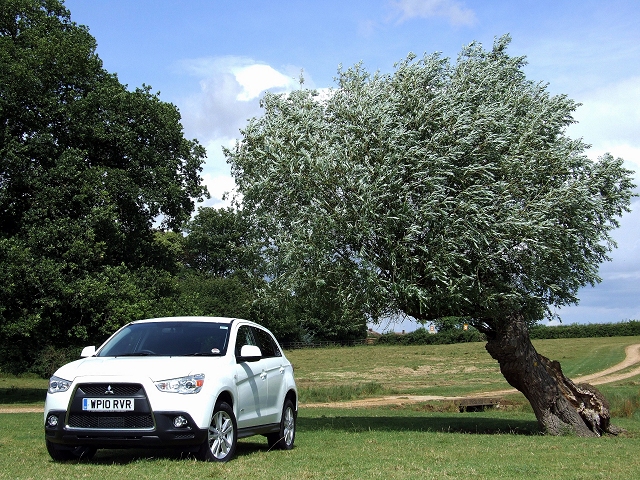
(88, 351)
(250, 353)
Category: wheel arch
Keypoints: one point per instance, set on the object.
(225, 396)
(293, 396)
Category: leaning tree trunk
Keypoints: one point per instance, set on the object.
(560, 405)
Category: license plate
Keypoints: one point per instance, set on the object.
(107, 404)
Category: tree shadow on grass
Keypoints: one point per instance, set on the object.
(475, 423)
(19, 395)
(462, 423)
(127, 456)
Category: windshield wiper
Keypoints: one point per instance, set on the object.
(201, 354)
(134, 354)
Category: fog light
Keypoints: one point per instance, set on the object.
(52, 421)
(179, 421)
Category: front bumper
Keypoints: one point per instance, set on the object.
(162, 434)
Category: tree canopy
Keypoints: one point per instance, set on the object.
(88, 168)
(217, 243)
(441, 189)
(223, 269)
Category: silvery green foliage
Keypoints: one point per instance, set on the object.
(443, 189)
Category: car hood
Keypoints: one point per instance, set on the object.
(155, 368)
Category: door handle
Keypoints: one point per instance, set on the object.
(263, 375)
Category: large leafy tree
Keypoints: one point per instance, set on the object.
(87, 167)
(223, 272)
(443, 189)
(217, 243)
(219, 270)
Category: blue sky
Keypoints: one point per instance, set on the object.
(213, 59)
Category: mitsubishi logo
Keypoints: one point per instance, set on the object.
(108, 391)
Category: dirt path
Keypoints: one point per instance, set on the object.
(605, 376)
(609, 375)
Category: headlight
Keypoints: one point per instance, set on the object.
(190, 384)
(57, 384)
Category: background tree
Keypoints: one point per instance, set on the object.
(222, 272)
(86, 168)
(217, 243)
(219, 270)
(448, 324)
(439, 190)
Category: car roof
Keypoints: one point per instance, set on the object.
(227, 320)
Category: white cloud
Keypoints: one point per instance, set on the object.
(610, 116)
(609, 120)
(228, 97)
(215, 155)
(257, 78)
(216, 174)
(221, 187)
(626, 258)
(456, 12)
(598, 314)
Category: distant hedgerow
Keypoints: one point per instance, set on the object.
(575, 330)
(422, 337)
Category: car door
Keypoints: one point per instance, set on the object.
(251, 382)
(274, 368)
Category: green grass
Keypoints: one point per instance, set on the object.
(339, 393)
(416, 441)
(347, 373)
(22, 390)
(384, 443)
(582, 356)
(448, 370)
(623, 397)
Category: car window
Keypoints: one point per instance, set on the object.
(169, 339)
(267, 344)
(244, 337)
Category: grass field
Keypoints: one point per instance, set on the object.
(447, 370)
(391, 442)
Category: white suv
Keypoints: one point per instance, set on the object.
(195, 383)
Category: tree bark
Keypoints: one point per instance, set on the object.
(560, 405)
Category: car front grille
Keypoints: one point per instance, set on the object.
(141, 418)
(111, 421)
(115, 389)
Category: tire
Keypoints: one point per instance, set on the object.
(63, 454)
(222, 438)
(284, 439)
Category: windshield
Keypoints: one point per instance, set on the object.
(168, 339)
